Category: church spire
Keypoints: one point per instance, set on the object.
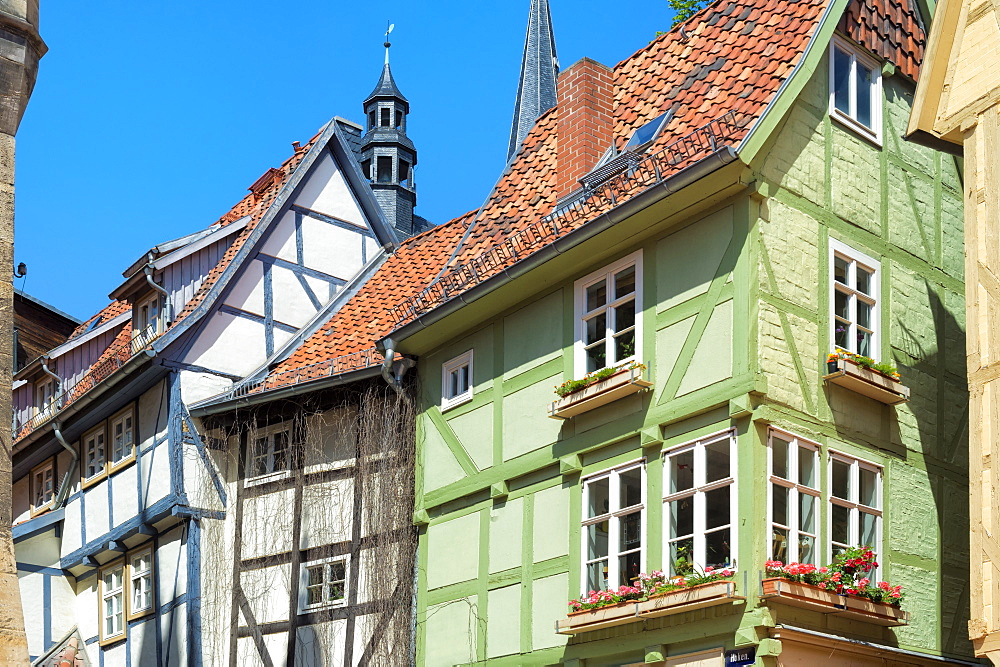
(536, 91)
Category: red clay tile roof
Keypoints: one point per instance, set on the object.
(891, 29)
(364, 319)
(108, 313)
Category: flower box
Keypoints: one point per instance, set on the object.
(804, 596)
(665, 604)
(628, 381)
(867, 382)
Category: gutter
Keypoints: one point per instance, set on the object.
(209, 408)
(89, 397)
(64, 486)
(879, 647)
(640, 202)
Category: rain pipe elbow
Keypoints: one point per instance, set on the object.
(64, 486)
(168, 314)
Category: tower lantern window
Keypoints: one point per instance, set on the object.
(399, 119)
(371, 120)
(385, 170)
(386, 117)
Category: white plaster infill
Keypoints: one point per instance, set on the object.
(628, 381)
(667, 604)
(867, 382)
(803, 596)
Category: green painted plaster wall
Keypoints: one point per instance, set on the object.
(735, 335)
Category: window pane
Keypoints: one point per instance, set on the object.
(597, 328)
(597, 540)
(864, 98)
(314, 595)
(840, 335)
(280, 451)
(841, 479)
(681, 471)
(864, 343)
(597, 295)
(597, 576)
(842, 80)
(864, 314)
(840, 529)
(807, 513)
(625, 316)
(681, 556)
(717, 549)
(717, 507)
(807, 549)
(866, 529)
(779, 457)
(624, 282)
(842, 305)
(840, 267)
(630, 483)
(598, 495)
(625, 345)
(681, 514)
(779, 504)
(336, 592)
(338, 571)
(864, 280)
(314, 575)
(868, 488)
(630, 532)
(779, 544)
(807, 467)
(596, 358)
(717, 461)
(628, 568)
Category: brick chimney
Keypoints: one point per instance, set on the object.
(584, 95)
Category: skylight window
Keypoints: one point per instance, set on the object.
(648, 132)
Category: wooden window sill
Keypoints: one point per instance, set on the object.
(804, 596)
(872, 384)
(600, 393)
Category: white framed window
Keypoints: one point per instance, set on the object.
(456, 381)
(608, 315)
(855, 504)
(614, 526)
(43, 486)
(140, 577)
(854, 301)
(269, 452)
(45, 393)
(700, 504)
(112, 615)
(323, 583)
(147, 317)
(94, 458)
(122, 437)
(856, 90)
(794, 499)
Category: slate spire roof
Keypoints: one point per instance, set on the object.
(536, 91)
(387, 87)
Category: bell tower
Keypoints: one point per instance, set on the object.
(387, 154)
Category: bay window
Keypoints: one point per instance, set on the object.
(794, 499)
(855, 504)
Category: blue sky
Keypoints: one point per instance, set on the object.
(150, 120)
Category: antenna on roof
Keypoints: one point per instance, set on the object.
(388, 29)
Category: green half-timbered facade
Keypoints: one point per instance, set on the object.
(730, 439)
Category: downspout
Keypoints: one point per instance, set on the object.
(168, 315)
(64, 487)
(394, 376)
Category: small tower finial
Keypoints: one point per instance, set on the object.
(388, 29)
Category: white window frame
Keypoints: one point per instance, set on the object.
(613, 516)
(449, 400)
(581, 315)
(152, 303)
(855, 257)
(40, 470)
(268, 432)
(850, 119)
(141, 576)
(853, 503)
(305, 608)
(105, 595)
(45, 396)
(698, 490)
(124, 417)
(92, 435)
(796, 490)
